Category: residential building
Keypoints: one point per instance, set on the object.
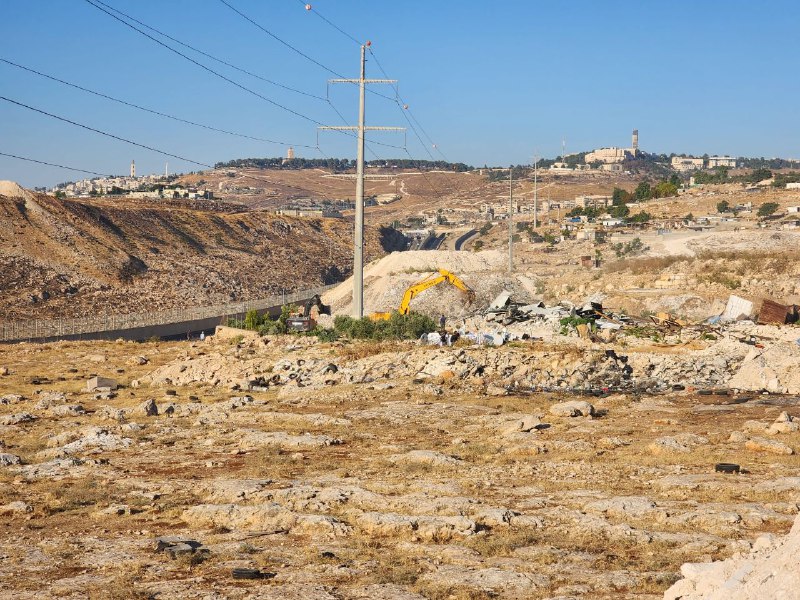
(721, 161)
(687, 163)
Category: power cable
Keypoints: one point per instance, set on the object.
(212, 71)
(49, 164)
(149, 110)
(310, 8)
(398, 99)
(111, 135)
(211, 56)
(206, 68)
(293, 48)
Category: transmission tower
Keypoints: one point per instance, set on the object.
(358, 238)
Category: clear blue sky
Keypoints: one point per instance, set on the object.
(490, 82)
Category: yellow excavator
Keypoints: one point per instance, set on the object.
(423, 285)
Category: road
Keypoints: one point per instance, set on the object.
(462, 239)
(432, 242)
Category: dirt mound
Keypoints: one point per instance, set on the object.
(386, 280)
(12, 189)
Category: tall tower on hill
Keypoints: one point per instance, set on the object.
(290, 153)
(635, 142)
(133, 168)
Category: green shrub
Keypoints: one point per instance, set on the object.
(398, 327)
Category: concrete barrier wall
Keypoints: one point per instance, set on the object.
(142, 326)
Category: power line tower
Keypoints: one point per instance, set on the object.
(358, 238)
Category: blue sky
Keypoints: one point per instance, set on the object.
(490, 82)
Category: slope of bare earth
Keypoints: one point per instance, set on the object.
(375, 471)
(417, 190)
(78, 257)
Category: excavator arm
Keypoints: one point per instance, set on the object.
(421, 286)
(417, 288)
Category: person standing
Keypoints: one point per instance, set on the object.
(442, 321)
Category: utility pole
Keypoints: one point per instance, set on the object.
(511, 219)
(535, 193)
(358, 238)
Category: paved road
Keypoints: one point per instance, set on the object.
(460, 241)
(433, 242)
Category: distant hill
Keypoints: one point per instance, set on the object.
(61, 257)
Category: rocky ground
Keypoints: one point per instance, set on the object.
(382, 470)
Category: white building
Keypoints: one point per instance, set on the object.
(721, 161)
(607, 155)
(687, 163)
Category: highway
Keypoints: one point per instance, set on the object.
(462, 239)
(433, 242)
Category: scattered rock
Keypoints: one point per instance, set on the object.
(69, 410)
(758, 444)
(784, 424)
(17, 419)
(15, 507)
(572, 408)
(101, 384)
(683, 442)
(6, 460)
(425, 457)
(148, 408)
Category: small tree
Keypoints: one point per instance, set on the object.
(767, 209)
(723, 206)
(643, 191)
(620, 196)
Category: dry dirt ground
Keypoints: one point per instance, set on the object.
(390, 471)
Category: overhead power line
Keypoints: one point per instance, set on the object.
(49, 164)
(206, 68)
(211, 56)
(295, 49)
(95, 3)
(150, 110)
(310, 8)
(105, 133)
(398, 98)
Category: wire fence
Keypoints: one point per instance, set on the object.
(33, 329)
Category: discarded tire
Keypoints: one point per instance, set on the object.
(705, 392)
(678, 387)
(727, 468)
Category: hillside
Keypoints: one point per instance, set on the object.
(417, 191)
(75, 257)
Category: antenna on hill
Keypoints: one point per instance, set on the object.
(358, 238)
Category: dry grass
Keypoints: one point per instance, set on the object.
(495, 472)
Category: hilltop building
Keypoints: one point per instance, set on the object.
(133, 168)
(721, 161)
(614, 155)
(687, 163)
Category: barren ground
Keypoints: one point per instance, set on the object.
(369, 482)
